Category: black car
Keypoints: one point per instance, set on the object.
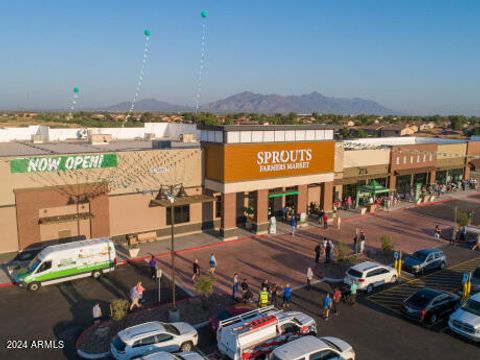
(424, 260)
(428, 306)
(475, 281)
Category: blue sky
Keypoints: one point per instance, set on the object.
(415, 56)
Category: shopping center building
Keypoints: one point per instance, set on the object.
(70, 183)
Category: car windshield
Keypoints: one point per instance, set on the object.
(33, 265)
(472, 306)
(118, 344)
(419, 299)
(355, 273)
(419, 256)
(171, 329)
(476, 273)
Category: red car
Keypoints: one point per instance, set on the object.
(233, 310)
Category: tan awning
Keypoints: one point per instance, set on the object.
(414, 171)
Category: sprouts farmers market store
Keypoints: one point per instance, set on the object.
(254, 172)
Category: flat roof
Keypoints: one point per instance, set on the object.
(267, 127)
(25, 148)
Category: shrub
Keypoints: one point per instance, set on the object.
(387, 245)
(462, 218)
(342, 252)
(119, 309)
(204, 287)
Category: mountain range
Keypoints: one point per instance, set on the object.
(250, 102)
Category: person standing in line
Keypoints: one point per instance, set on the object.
(263, 298)
(353, 293)
(293, 224)
(213, 263)
(320, 217)
(97, 313)
(152, 264)
(287, 295)
(337, 296)
(196, 270)
(327, 303)
(234, 286)
(134, 298)
(324, 246)
(309, 278)
(317, 253)
(453, 237)
(325, 221)
(437, 233)
(363, 240)
(328, 251)
(274, 294)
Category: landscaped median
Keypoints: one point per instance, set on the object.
(94, 342)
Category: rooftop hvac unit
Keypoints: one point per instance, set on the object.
(100, 139)
(38, 139)
(149, 136)
(188, 138)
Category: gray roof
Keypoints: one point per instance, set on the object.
(24, 148)
(266, 127)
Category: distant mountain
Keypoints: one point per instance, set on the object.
(151, 105)
(250, 102)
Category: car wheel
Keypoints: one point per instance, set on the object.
(34, 286)
(393, 280)
(433, 319)
(442, 266)
(186, 347)
(96, 274)
(370, 288)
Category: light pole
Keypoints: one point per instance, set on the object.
(169, 197)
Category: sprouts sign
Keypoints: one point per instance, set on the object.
(62, 163)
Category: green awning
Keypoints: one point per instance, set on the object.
(274, 195)
(373, 188)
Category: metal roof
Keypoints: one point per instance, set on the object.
(227, 128)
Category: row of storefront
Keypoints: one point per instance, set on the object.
(233, 177)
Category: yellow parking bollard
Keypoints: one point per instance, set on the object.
(399, 270)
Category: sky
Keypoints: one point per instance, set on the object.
(413, 56)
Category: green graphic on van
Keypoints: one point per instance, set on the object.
(62, 163)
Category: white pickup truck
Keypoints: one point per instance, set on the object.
(256, 333)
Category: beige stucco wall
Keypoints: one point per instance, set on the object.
(8, 226)
(339, 155)
(460, 149)
(133, 173)
(363, 158)
(50, 231)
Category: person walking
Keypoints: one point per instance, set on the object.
(97, 313)
(437, 233)
(234, 286)
(134, 298)
(337, 296)
(196, 270)
(263, 298)
(353, 293)
(327, 303)
(317, 253)
(325, 221)
(140, 290)
(328, 251)
(152, 264)
(287, 295)
(349, 202)
(293, 224)
(363, 240)
(213, 263)
(453, 237)
(274, 294)
(309, 278)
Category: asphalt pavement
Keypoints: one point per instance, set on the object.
(61, 312)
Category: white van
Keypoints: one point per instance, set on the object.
(65, 262)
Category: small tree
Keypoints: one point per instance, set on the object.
(119, 309)
(462, 219)
(204, 287)
(341, 252)
(387, 245)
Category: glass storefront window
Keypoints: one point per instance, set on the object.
(420, 179)
(441, 177)
(403, 185)
(181, 214)
(456, 174)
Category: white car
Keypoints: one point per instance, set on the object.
(369, 275)
(466, 319)
(162, 355)
(313, 348)
(152, 337)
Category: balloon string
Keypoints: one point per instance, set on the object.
(202, 65)
(74, 102)
(139, 82)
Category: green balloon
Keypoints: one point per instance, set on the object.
(204, 13)
(147, 32)
(76, 90)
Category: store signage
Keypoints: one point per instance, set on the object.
(62, 163)
(284, 160)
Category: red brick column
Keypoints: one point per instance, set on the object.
(327, 195)
(261, 211)
(392, 182)
(302, 198)
(229, 214)
(433, 177)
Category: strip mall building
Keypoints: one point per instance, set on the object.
(62, 183)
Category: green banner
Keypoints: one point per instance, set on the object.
(62, 163)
